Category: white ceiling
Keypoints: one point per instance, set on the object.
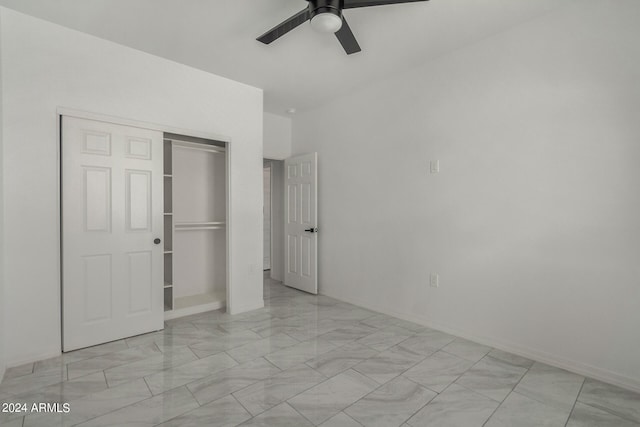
(304, 69)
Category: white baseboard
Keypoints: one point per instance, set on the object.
(584, 369)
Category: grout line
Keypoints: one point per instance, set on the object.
(293, 407)
(251, 416)
(507, 396)
(575, 401)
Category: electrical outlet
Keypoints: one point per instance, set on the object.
(434, 166)
(434, 280)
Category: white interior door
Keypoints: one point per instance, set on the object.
(300, 228)
(112, 227)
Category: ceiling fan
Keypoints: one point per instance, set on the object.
(326, 16)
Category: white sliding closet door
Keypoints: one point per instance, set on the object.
(112, 227)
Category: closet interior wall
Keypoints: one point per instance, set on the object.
(195, 225)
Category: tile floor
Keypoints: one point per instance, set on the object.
(308, 360)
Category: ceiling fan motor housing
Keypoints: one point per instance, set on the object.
(334, 7)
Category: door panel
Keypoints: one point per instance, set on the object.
(97, 199)
(301, 202)
(98, 286)
(112, 272)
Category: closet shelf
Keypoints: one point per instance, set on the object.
(213, 225)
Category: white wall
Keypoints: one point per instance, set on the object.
(277, 137)
(533, 221)
(2, 300)
(45, 66)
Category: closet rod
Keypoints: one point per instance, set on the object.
(211, 227)
(197, 146)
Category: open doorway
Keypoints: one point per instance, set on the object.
(273, 218)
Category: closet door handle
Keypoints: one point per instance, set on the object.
(311, 230)
(156, 241)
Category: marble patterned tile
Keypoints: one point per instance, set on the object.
(348, 334)
(588, 416)
(74, 356)
(313, 329)
(93, 405)
(67, 390)
(385, 338)
(335, 361)
(282, 415)
(390, 405)
(551, 385)
(620, 402)
(230, 380)
(255, 349)
(278, 326)
(325, 400)
(414, 327)
(299, 353)
(379, 321)
(192, 371)
(465, 349)
(191, 360)
(16, 422)
(109, 360)
(344, 311)
(18, 371)
(417, 344)
(341, 420)
(521, 411)
(492, 378)
(223, 343)
(232, 327)
(166, 360)
(456, 406)
(34, 381)
(323, 300)
(439, 370)
(148, 412)
(272, 391)
(224, 412)
(388, 364)
(510, 358)
(435, 339)
(176, 337)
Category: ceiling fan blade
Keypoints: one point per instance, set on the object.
(350, 4)
(347, 39)
(283, 28)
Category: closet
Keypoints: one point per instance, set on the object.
(195, 220)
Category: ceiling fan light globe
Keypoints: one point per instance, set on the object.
(326, 22)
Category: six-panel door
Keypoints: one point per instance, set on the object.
(301, 238)
(112, 270)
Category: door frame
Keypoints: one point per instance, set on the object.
(81, 114)
(270, 167)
